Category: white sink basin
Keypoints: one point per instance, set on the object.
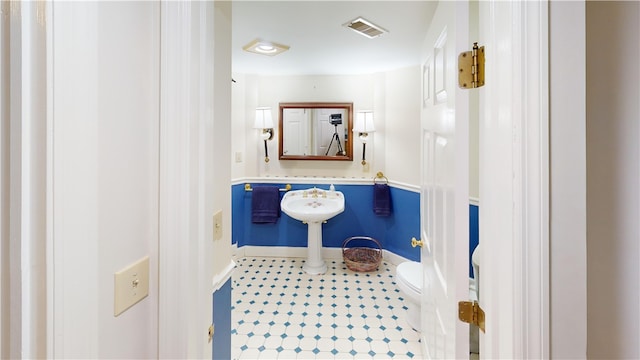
(312, 205)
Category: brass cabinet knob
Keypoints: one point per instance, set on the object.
(415, 242)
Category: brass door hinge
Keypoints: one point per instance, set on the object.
(211, 330)
(472, 313)
(471, 68)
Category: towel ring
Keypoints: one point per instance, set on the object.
(380, 176)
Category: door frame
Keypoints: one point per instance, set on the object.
(514, 155)
(195, 173)
(186, 227)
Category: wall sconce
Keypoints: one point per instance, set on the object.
(264, 122)
(363, 126)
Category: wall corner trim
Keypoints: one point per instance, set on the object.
(221, 278)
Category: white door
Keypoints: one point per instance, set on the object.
(445, 185)
(329, 138)
(295, 126)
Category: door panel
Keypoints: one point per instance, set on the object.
(444, 189)
(328, 144)
(295, 129)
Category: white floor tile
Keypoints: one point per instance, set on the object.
(287, 354)
(397, 347)
(376, 333)
(290, 343)
(343, 345)
(307, 343)
(268, 354)
(306, 355)
(361, 346)
(255, 341)
(326, 331)
(325, 344)
(382, 356)
(250, 354)
(245, 328)
(294, 329)
(273, 342)
(359, 333)
(379, 347)
(261, 328)
(278, 329)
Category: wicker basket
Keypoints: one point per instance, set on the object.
(362, 259)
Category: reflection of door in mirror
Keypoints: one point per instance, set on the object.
(295, 131)
(329, 135)
(312, 132)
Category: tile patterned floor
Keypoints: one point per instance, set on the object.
(280, 312)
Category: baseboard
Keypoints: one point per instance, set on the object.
(236, 251)
(285, 251)
(393, 258)
(301, 252)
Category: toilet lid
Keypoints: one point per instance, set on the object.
(411, 274)
(475, 256)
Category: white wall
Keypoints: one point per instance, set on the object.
(568, 186)
(241, 123)
(105, 133)
(400, 129)
(221, 135)
(393, 96)
(613, 179)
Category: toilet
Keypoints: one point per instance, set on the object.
(475, 263)
(409, 281)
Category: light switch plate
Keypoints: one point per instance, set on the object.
(131, 285)
(217, 225)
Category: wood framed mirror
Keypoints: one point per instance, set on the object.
(315, 131)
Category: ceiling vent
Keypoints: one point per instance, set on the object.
(365, 27)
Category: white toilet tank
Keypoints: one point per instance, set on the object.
(409, 273)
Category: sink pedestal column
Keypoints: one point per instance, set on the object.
(315, 264)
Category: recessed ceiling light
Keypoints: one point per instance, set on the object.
(365, 27)
(262, 47)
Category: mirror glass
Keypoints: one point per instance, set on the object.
(315, 131)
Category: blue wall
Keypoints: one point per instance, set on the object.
(394, 232)
(474, 233)
(222, 320)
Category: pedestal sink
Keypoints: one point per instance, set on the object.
(313, 207)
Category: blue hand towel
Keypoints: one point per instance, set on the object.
(265, 204)
(381, 200)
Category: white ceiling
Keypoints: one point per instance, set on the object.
(319, 43)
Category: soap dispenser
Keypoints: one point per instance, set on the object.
(332, 188)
